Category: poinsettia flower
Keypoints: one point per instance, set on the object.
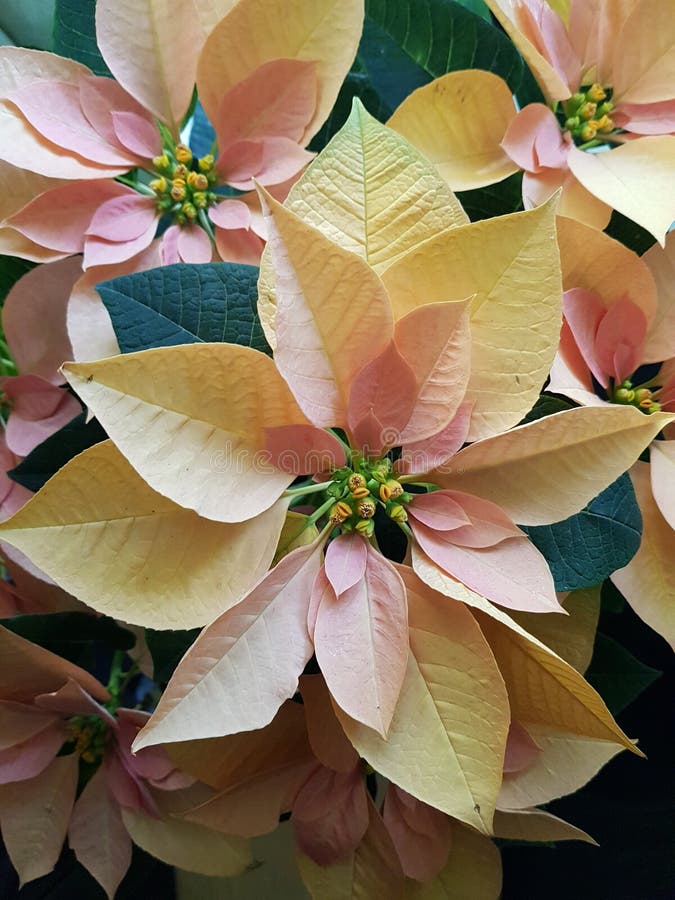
(265, 98)
(618, 347)
(54, 731)
(335, 365)
(607, 72)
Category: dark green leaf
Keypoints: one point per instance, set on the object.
(494, 200)
(167, 648)
(437, 36)
(49, 456)
(547, 405)
(202, 135)
(356, 84)
(11, 269)
(185, 304)
(617, 675)
(611, 599)
(75, 34)
(71, 634)
(585, 549)
(629, 233)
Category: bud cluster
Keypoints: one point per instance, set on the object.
(587, 114)
(359, 491)
(88, 734)
(641, 398)
(184, 183)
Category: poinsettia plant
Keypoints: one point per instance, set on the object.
(318, 477)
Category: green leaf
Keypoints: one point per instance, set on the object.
(629, 233)
(432, 37)
(52, 454)
(11, 269)
(547, 405)
(75, 34)
(71, 634)
(356, 84)
(585, 549)
(611, 599)
(167, 649)
(617, 675)
(493, 200)
(28, 23)
(185, 304)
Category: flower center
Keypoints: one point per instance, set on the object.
(183, 184)
(88, 734)
(360, 490)
(587, 114)
(642, 398)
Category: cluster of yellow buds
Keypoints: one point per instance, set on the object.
(641, 398)
(359, 493)
(587, 114)
(184, 183)
(88, 734)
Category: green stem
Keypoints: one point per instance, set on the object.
(309, 487)
(137, 186)
(206, 224)
(594, 143)
(345, 445)
(405, 528)
(115, 679)
(316, 515)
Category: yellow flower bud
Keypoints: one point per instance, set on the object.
(197, 181)
(366, 508)
(159, 185)
(200, 200)
(624, 395)
(366, 527)
(189, 211)
(589, 131)
(397, 513)
(605, 108)
(360, 492)
(181, 171)
(395, 487)
(588, 110)
(161, 162)
(384, 492)
(605, 124)
(595, 93)
(356, 481)
(178, 191)
(183, 154)
(205, 164)
(340, 512)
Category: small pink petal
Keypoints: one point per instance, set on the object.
(512, 573)
(620, 339)
(321, 589)
(39, 410)
(345, 563)
(100, 98)
(53, 109)
(488, 523)
(194, 245)
(34, 319)
(421, 834)
(169, 246)
(240, 162)
(646, 118)
(242, 246)
(267, 160)
(439, 510)
(438, 450)
(584, 311)
(361, 643)
(99, 252)
(19, 722)
(534, 140)
(123, 218)
(230, 214)
(303, 449)
(72, 700)
(43, 220)
(330, 815)
(27, 760)
(137, 133)
(544, 28)
(521, 749)
(377, 414)
(277, 100)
